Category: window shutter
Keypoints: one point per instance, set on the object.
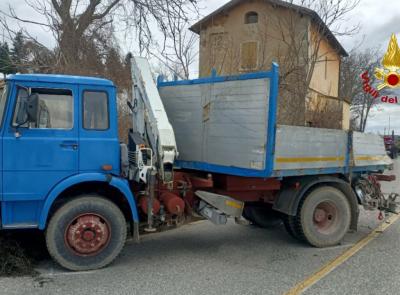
(249, 52)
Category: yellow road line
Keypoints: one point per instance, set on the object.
(309, 159)
(330, 266)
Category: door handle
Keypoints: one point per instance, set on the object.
(69, 144)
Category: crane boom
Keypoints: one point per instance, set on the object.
(150, 123)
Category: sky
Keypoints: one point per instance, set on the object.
(377, 21)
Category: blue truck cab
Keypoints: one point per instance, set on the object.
(59, 140)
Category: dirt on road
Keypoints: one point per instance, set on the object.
(20, 251)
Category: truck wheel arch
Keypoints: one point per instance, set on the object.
(290, 196)
(120, 184)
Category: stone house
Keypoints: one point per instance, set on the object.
(248, 35)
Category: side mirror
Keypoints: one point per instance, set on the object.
(32, 104)
(27, 109)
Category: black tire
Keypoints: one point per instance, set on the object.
(247, 213)
(292, 228)
(105, 214)
(327, 226)
(262, 216)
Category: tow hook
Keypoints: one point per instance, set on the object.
(391, 203)
(368, 189)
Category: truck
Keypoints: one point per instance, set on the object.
(206, 148)
(390, 145)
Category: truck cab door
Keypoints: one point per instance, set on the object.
(38, 155)
(4, 91)
(98, 134)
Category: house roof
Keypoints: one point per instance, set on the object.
(314, 17)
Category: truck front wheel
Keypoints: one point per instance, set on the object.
(86, 233)
(324, 217)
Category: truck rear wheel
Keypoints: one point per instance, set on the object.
(324, 217)
(292, 228)
(86, 233)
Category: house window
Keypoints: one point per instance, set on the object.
(251, 18)
(249, 55)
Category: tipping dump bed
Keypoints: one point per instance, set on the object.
(228, 125)
(224, 124)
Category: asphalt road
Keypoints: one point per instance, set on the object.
(201, 258)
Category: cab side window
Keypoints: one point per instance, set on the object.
(55, 110)
(95, 110)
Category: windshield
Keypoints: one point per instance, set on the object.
(3, 99)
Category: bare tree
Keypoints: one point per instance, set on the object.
(329, 114)
(178, 51)
(351, 84)
(332, 15)
(73, 21)
(301, 52)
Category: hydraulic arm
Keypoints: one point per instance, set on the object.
(152, 134)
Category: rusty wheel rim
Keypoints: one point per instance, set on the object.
(88, 234)
(325, 217)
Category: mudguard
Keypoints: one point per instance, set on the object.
(294, 190)
(119, 183)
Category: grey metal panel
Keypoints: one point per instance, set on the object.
(222, 123)
(307, 148)
(184, 109)
(237, 127)
(369, 149)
